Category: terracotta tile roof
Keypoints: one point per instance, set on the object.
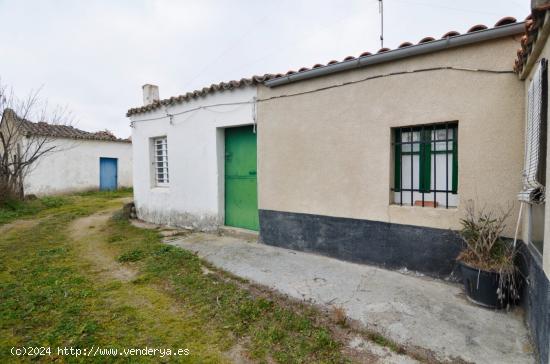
(62, 131)
(426, 39)
(533, 23)
(260, 79)
(222, 86)
(450, 33)
(504, 21)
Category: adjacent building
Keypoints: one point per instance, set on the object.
(75, 160)
(195, 156)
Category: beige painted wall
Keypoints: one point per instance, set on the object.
(329, 152)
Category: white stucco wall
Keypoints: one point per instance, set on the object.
(195, 194)
(75, 166)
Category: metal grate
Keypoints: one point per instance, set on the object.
(161, 161)
(426, 165)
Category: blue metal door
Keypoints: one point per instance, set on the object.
(108, 173)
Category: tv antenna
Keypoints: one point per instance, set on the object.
(381, 11)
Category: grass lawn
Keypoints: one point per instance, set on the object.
(70, 277)
(17, 209)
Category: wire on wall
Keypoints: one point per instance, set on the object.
(255, 100)
(398, 73)
(203, 107)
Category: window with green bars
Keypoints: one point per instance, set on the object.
(426, 165)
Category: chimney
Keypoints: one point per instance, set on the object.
(150, 94)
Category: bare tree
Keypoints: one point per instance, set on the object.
(25, 137)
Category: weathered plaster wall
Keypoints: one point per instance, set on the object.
(329, 152)
(74, 166)
(195, 140)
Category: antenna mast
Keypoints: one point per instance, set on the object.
(381, 11)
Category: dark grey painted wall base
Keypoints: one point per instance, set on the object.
(536, 301)
(427, 250)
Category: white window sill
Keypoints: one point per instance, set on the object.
(423, 210)
(409, 206)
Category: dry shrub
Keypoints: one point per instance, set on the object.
(338, 315)
(481, 231)
(487, 250)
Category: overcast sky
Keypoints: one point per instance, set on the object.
(93, 56)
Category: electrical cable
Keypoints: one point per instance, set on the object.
(398, 73)
(197, 108)
(342, 84)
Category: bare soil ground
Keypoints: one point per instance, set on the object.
(85, 232)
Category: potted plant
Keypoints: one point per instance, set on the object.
(487, 262)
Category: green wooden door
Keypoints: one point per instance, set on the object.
(241, 196)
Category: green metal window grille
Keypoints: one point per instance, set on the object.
(426, 142)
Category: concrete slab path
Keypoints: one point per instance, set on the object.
(411, 310)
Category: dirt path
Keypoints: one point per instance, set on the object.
(87, 235)
(86, 232)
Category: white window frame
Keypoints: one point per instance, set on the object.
(160, 169)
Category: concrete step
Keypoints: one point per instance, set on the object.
(239, 233)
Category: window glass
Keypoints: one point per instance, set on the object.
(410, 140)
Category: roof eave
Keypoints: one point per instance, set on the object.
(202, 93)
(118, 140)
(400, 53)
(538, 46)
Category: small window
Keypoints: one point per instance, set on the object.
(426, 165)
(160, 161)
(534, 171)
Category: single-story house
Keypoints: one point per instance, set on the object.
(185, 150)
(78, 160)
(371, 159)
